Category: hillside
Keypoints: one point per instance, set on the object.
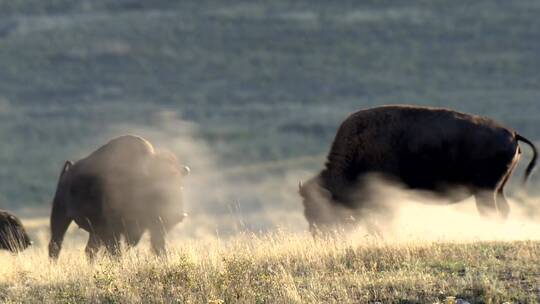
(261, 80)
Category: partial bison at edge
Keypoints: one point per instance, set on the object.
(439, 151)
(13, 236)
(119, 191)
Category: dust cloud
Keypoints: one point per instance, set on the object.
(396, 214)
(461, 222)
(223, 201)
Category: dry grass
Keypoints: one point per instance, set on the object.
(282, 268)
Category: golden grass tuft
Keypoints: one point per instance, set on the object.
(281, 268)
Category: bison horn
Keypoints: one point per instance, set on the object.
(300, 185)
(186, 171)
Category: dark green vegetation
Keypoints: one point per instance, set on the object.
(264, 80)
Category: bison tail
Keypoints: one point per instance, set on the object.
(532, 164)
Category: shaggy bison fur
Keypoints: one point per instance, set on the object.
(438, 151)
(13, 236)
(119, 191)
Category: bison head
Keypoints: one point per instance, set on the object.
(166, 179)
(323, 213)
(317, 202)
(13, 236)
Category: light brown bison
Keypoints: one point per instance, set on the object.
(444, 152)
(13, 236)
(121, 190)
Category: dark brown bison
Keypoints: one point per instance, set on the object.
(438, 151)
(121, 190)
(13, 236)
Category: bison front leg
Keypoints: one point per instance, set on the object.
(485, 203)
(373, 229)
(321, 231)
(133, 234)
(158, 233)
(92, 247)
(111, 239)
(59, 224)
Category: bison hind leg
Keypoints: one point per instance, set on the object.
(502, 205)
(491, 201)
(486, 203)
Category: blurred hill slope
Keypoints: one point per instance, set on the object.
(262, 80)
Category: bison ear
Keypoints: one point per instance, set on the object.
(186, 171)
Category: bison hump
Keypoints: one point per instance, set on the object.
(120, 155)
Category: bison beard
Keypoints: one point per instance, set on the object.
(13, 236)
(121, 190)
(427, 149)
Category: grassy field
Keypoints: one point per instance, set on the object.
(283, 268)
(433, 253)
